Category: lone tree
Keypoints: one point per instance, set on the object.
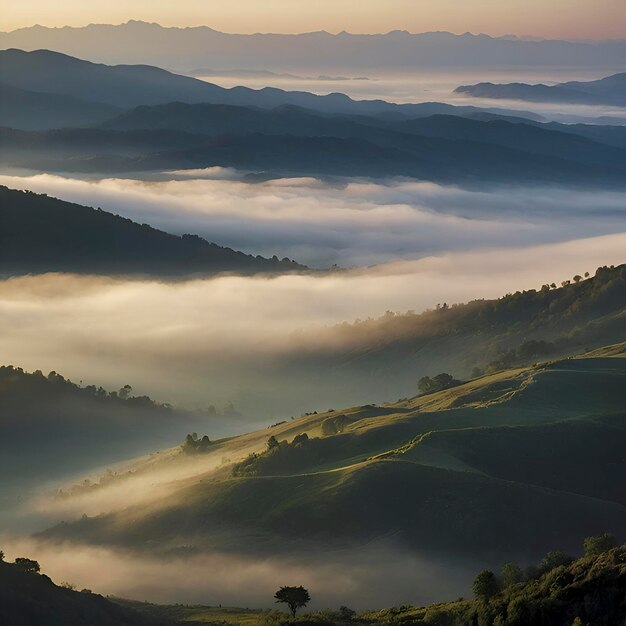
(294, 597)
(485, 585)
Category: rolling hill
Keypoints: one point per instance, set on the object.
(610, 90)
(433, 473)
(39, 234)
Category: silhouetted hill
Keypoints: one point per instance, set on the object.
(133, 85)
(298, 142)
(610, 90)
(31, 599)
(187, 48)
(39, 234)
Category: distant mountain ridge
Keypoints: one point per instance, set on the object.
(187, 48)
(610, 90)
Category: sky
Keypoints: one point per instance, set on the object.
(567, 19)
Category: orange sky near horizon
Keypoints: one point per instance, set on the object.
(563, 19)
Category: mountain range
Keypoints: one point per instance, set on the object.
(189, 48)
(133, 85)
(183, 123)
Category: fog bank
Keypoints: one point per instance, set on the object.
(372, 577)
(201, 342)
(350, 223)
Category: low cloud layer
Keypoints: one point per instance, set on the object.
(373, 577)
(357, 223)
(205, 341)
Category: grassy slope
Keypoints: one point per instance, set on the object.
(382, 478)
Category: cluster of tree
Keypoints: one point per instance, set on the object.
(523, 354)
(560, 591)
(195, 445)
(53, 384)
(557, 310)
(487, 584)
(442, 381)
(28, 566)
(282, 457)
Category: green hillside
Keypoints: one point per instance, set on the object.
(377, 358)
(526, 459)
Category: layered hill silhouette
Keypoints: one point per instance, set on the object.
(142, 118)
(467, 471)
(40, 234)
(610, 90)
(189, 48)
(293, 141)
(127, 86)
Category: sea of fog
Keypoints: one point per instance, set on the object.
(408, 246)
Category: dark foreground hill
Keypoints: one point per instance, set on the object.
(39, 234)
(32, 599)
(560, 592)
(467, 472)
(610, 90)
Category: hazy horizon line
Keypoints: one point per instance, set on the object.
(509, 36)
